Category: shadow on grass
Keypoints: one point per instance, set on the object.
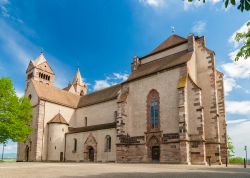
(166, 175)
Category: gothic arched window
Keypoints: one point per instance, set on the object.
(75, 145)
(153, 110)
(107, 143)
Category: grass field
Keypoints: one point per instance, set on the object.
(8, 161)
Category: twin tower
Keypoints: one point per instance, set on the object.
(40, 70)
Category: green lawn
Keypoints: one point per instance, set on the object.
(8, 161)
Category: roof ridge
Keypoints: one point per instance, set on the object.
(102, 89)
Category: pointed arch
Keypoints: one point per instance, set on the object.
(90, 148)
(153, 110)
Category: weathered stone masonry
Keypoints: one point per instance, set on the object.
(170, 110)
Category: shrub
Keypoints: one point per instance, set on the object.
(236, 160)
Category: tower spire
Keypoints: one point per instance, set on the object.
(78, 77)
(80, 87)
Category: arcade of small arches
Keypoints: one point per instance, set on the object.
(44, 76)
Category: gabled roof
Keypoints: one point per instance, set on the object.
(160, 64)
(103, 95)
(172, 41)
(65, 98)
(55, 95)
(58, 119)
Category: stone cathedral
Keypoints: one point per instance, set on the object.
(170, 110)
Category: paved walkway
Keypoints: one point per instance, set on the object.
(112, 170)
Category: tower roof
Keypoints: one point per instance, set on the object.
(58, 119)
(39, 60)
(78, 77)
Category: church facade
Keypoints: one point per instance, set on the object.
(170, 110)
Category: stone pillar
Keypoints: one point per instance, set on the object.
(183, 115)
(121, 147)
(40, 132)
(222, 118)
(213, 137)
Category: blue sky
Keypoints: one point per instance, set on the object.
(102, 36)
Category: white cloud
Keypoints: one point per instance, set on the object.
(238, 107)
(21, 50)
(190, 5)
(239, 133)
(215, 1)
(229, 85)
(100, 84)
(237, 69)
(242, 29)
(153, 3)
(120, 76)
(113, 79)
(197, 4)
(16, 46)
(199, 27)
(236, 121)
(4, 5)
(3, 8)
(4, 2)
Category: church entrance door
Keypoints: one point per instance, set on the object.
(61, 156)
(91, 154)
(156, 153)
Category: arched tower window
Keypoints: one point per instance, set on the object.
(107, 143)
(75, 145)
(153, 108)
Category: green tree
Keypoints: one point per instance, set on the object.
(15, 114)
(230, 147)
(242, 5)
(244, 38)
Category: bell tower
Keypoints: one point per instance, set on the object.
(40, 70)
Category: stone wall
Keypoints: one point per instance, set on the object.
(84, 140)
(100, 113)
